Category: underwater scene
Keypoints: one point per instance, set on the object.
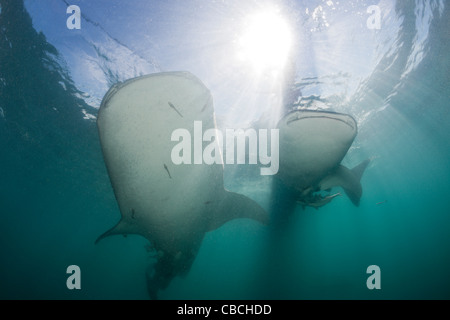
(181, 150)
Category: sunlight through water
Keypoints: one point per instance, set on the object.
(266, 41)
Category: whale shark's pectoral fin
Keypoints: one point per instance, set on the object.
(233, 206)
(122, 227)
(348, 179)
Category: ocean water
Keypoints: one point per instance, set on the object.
(55, 193)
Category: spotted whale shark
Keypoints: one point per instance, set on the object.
(172, 206)
(312, 146)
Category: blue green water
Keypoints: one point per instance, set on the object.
(56, 197)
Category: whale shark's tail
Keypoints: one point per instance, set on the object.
(348, 179)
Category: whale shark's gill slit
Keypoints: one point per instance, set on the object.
(173, 107)
(133, 214)
(167, 169)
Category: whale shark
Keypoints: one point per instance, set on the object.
(312, 145)
(171, 205)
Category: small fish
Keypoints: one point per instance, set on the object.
(381, 202)
(167, 169)
(205, 106)
(173, 107)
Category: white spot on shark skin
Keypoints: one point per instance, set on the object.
(2, 113)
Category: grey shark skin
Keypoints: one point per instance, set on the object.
(173, 206)
(312, 146)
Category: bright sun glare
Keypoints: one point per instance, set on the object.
(265, 42)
